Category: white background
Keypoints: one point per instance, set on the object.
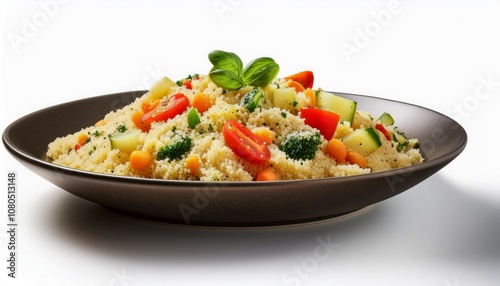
(445, 231)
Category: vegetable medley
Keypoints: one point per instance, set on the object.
(238, 123)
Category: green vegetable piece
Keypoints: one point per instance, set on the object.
(400, 139)
(386, 119)
(364, 141)
(226, 61)
(175, 150)
(251, 100)
(125, 141)
(122, 128)
(193, 118)
(226, 79)
(346, 108)
(261, 72)
(301, 145)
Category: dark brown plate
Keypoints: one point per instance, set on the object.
(231, 204)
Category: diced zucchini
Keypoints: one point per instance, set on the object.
(363, 141)
(126, 141)
(284, 98)
(386, 119)
(400, 139)
(344, 107)
(160, 89)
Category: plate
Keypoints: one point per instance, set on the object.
(231, 204)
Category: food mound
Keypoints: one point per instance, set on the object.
(238, 124)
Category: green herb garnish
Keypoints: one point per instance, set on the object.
(122, 128)
(228, 71)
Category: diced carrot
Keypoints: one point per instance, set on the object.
(154, 104)
(100, 123)
(356, 158)
(265, 135)
(193, 163)
(337, 150)
(311, 97)
(201, 102)
(295, 85)
(139, 159)
(137, 119)
(82, 139)
(266, 175)
(147, 106)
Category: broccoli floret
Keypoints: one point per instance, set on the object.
(251, 100)
(179, 146)
(301, 145)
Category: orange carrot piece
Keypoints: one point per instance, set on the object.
(356, 158)
(139, 159)
(193, 163)
(311, 97)
(305, 78)
(337, 150)
(295, 85)
(265, 135)
(137, 119)
(267, 175)
(201, 102)
(82, 139)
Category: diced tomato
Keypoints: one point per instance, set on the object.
(187, 84)
(323, 120)
(384, 131)
(244, 143)
(305, 78)
(167, 109)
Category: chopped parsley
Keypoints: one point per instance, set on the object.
(122, 128)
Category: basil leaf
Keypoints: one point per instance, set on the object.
(260, 72)
(226, 79)
(193, 118)
(226, 61)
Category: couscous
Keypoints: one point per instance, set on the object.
(238, 124)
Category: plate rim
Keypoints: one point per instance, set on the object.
(45, 164)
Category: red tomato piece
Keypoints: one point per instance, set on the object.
(384, 131)
(244, 143)
(305, 78)
(187, 84)
(167, 109)
(323, 120)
